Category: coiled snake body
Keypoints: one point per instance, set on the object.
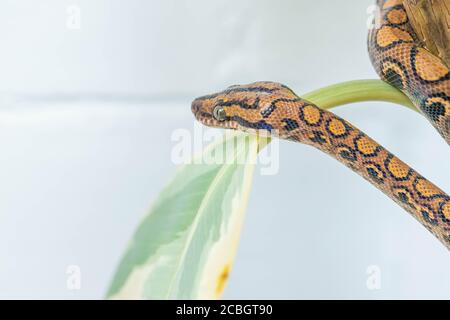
(274, 108)
(400, 59)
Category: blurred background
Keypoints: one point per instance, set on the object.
(90, 93)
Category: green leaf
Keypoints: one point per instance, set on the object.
(184, 248)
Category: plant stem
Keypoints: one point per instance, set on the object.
(357, 91)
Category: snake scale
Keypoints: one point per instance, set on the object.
(400, 60)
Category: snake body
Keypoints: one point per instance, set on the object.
(401, 60)
(277, 110)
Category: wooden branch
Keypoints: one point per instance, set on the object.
(431, 22)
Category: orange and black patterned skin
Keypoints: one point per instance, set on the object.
(278, 111)
(400, 59)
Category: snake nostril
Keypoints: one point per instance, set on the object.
(195, 106)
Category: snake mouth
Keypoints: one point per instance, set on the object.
(208, 120)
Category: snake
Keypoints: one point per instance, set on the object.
(400, 58)
(274, 109)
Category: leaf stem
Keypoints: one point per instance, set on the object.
(357, 91)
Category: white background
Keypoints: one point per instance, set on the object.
(86, 117)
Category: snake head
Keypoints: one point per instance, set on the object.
(244, 107)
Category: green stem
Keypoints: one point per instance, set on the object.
(357, 91)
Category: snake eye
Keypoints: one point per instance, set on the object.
(219, 113)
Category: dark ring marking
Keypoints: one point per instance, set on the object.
(347, 153)
(426, 215)
(375, 172)
(387, 161)
(404, 195)
(413, 57)
(431, 197)
(397, 7)
(394, 43)
(347, 128)
(377, 150)
(268, 111)
(400, 81)
(318, 137)
(394, 78)
(303, 116)
(435, 110)
(443, 217)
(290, 124)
